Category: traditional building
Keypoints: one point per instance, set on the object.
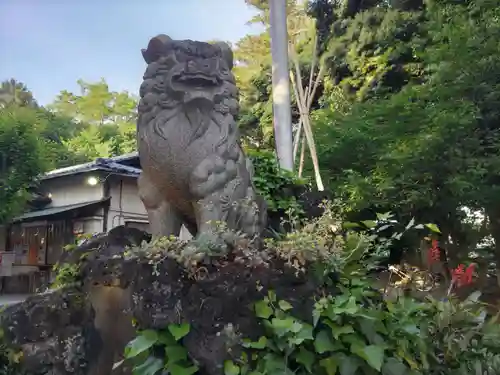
(87, 198)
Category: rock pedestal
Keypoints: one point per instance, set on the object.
(83, 329)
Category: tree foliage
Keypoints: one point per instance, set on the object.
(370, 45)
(431, 148)
(21, 158)
(15, 92)
(106, 120)
(74, 129)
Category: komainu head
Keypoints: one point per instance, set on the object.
(188, 71)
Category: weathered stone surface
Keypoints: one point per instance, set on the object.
(55, 332)
(84, 330)
(194, 170)
(113, 321)
(218, 300)
(106, 244)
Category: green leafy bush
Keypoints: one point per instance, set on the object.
(356, 331)
(277, 186)
(143, 351)
(66, 274)
(352, 329)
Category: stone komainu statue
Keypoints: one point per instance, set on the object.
(194, 170)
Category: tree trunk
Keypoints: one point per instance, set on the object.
(282, 114)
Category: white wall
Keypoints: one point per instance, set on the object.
(125, 202)
(127, 206)
(90, 225)
(72, 190)
(185, 235)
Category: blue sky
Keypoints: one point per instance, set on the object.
(50, 44)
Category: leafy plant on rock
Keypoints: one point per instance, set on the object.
(347, 335)
(66, 274)
(277, 186)
(153, 351)
(69, 273)
(351, 329)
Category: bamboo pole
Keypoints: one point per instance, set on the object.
(301, 102)
(296, 140)
(302, 156)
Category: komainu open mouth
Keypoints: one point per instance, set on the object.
(196, 80)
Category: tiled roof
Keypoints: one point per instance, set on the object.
(111, 165)
(56, 210)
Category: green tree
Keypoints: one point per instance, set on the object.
(21, 158)
(88, 144)
(105, 119)
(96, 104)
(15, 92)
(431, 148)
(54, 130)
(370, 45)
(125, 141)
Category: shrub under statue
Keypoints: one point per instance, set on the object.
(194, 170)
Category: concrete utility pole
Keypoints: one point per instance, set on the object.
(281, 84)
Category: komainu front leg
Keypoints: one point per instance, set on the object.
(164, 219)
(211, 238)
(209, 214)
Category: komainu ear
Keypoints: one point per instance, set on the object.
(157, 46)
(226, 53)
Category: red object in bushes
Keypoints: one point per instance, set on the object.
(463, 276)
(433, 254)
